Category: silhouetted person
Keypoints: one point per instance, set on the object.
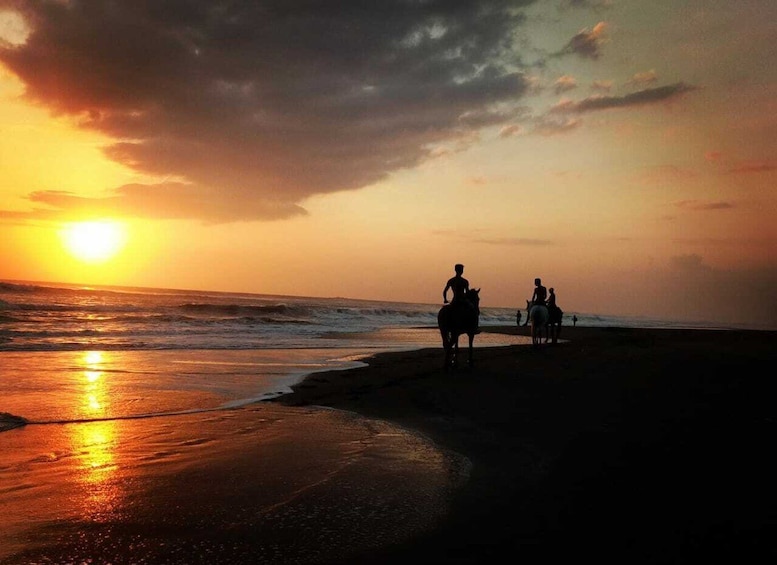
(540, 293)
(574, 319)
(518, 317)
(554, 316)
(458, 284)
(460, 287)
(551, 302)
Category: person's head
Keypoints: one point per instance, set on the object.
(551, 290)
(537, 282)
(459, 268)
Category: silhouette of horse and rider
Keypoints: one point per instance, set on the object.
(458, 317)
(543, 314)
(461, 315)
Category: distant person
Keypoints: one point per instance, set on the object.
(518, 318)
(540, 293)
(574, 319)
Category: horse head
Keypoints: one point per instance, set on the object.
(474, 296)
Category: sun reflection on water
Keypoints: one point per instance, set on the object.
(94, 442)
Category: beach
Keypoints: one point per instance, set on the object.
(618, 446)
(615, 445)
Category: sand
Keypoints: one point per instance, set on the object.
(615, 445)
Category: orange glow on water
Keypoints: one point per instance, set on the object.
(95, 443)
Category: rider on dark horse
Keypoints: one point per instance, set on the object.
(554, 315)
(459, 304)
(554, 311)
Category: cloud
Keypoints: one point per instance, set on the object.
(564, 83)
(749, 167)
(514, 241)
(510, 130)
(171, 200)
(267, 104)
(587, 43)
(643, 79)
(697, 205)
(642, 97)
(665, 174)
(601, 85)
(547, 125)
(596, 5)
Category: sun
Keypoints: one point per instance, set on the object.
(94, 241)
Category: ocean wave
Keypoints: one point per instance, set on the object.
(237, 309)
(15, 287)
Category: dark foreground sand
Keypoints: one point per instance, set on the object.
(618, 445)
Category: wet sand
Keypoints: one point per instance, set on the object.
(260, 484)
(618, 445)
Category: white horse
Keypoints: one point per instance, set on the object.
(538, 317)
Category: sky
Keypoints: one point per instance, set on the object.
(624, 151)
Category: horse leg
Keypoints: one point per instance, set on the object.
(446, 345)
(471, 339)
(536, 333)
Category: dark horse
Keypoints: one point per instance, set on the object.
(455, 320)
(553, 329)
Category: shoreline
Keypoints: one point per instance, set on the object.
(619, 444)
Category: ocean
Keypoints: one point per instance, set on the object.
(198, 350)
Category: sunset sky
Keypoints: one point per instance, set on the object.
(623, 150)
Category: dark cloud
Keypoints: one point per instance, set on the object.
(647, 96)
(750, 167)
(255, 106)
(587, 43)
(702, 205)
(169, 200)
(514, 241)
(596, 5)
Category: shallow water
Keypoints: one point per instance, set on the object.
(256, 484)
(149, 456)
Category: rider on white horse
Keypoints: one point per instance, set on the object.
(540, 293)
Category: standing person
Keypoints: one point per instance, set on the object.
(554, 315)
(540, 293)
(574, 319)
(518, 317)
(458, 284)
